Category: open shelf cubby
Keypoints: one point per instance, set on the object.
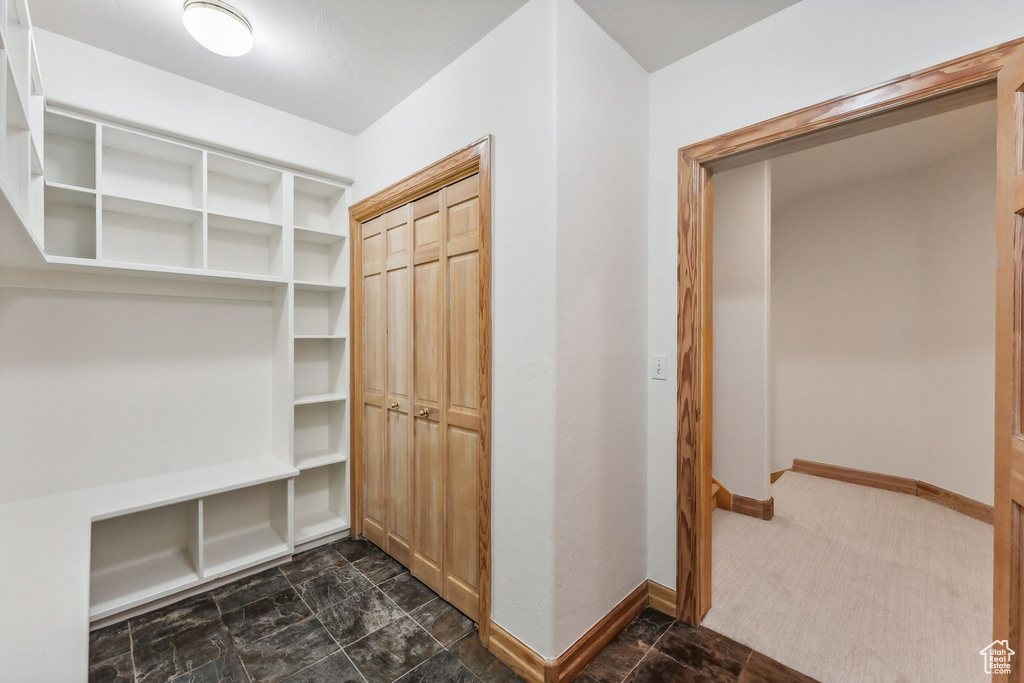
(154, 234)
(143, 556)
(244, 190)
(69, 222)
(320, 258)
(320, 313)
(320, 371)
(141, 167)
(69, 151)
(17, 146)
(321, 502)
(320, 206)
(242, 246)
(245, 527)
(321, 434)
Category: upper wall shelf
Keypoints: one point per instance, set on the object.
(115, 198)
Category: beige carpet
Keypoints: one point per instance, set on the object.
(849, 583)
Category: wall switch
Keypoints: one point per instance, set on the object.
(659, 366)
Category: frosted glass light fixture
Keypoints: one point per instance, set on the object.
(218, 27)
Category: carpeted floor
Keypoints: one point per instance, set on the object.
(850, 583)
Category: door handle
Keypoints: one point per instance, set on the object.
(394, 405)
(424, 413)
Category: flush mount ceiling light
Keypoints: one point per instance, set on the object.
(218, 27)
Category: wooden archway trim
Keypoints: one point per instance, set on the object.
(877, 106)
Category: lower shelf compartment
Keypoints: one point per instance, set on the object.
(143, 556)
(244, 528)
(316, 524)
(321, 502)
(243, 550)
(140, 582)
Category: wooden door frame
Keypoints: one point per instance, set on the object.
(945, 86)
(475, 158)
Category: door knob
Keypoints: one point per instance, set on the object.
(424, 413)
(394, 405)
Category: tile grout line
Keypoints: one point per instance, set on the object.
(131, 651)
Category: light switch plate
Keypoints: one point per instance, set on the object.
(659, 366)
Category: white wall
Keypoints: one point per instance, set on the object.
(883, 325)
(807, 53)
(741, 284)
(601, 136)
(97, 388)
(568, 111)
(80, 76)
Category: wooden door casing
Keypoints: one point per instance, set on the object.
(373, 408)
(433, 389)
(958, 82)
(1008, 519)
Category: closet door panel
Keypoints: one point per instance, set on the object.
(372, 381)
(464, 337)
(429, 475)
(462, 566)
(398, 360)
(462, 394)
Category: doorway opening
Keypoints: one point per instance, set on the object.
(961, 88)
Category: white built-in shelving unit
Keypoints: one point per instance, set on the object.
(103, 198)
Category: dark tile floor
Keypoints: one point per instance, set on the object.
(341, 613)
(654, 648)
(348, 613)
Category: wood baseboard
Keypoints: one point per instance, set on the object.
(752, 507)
(661, 598)
(723, 498)
(536, 669)
(889, 482)
(777, 474)
(517, 656)
(571, 662)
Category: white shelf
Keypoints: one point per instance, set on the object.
(142, 556)
(319, 398)
(314, 459)
(166, 489)
(321, 502)
(69, 151)
(245, 527)
(244, 190)
(320, 367)
(322, 313)
(320, 206)
(100, 266)
(320, 258)
(244, 246)
(242, 550)
(69, 222)
(139, 166)
(306, 286)
(152, 234)
(320, 336)
(135, 584)
(314, 525)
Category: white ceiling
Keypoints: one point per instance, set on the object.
(659, 32)
(345, 63)
(342, 63)
(884, 152)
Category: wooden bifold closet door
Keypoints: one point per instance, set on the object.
(422, 388)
